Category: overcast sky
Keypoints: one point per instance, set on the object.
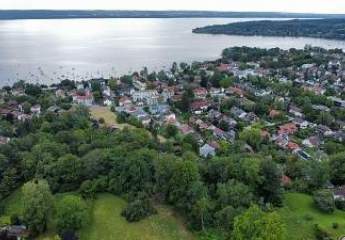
(316, 6)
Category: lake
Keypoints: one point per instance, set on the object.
(47, 51)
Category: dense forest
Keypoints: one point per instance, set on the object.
(316, 28)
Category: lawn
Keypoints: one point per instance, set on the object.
(300, 216)
(107, 223)
(13, 205)
(109, 117)
(98, 112)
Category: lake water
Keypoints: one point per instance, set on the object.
(46, 51)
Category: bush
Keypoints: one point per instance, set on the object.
(138, 210)
(308, 217)
(324, 201)
(321, 234)
(335, 225)
(101, 121)
(340, 204)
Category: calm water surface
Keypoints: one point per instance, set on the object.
(46, 51)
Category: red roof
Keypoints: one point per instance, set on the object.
(286, 180)
(223, 67)
(289, 128)
(199, 104)
(292, 146)
(200, 91)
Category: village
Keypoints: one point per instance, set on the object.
(293, 101)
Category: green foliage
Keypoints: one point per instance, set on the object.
(255, 224)
(72, 214)
(324, 201)
(252, 136)
(138, 209)
(37, 200)
(337, 168)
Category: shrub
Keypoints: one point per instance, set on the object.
(138, 210)
(324, 201)
(340, 204)
(321, 234)
(101, 121)
(335, 225)
(308, 217)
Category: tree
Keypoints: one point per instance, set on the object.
(255, 224)
(171, 130)
(72, 214)
(226, 82)
(201, 210)
(324, 201)
(235, 194)
(138, 209)
(270, 187)
(337, 168)
(37, 200)
(252, 136)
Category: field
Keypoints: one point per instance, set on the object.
(300, 216)
(108, 224)
(109, 117)
(98, 112)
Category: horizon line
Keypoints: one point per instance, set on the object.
(176, 10)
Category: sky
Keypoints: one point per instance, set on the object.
(305, 6)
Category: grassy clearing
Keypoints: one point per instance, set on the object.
(107, 223)
(98, 112)
(300, 216)
(13, 205)
(109, 117)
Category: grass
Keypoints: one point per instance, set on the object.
(300, 216)
(107, 223)
(13, 205)
(109, 117)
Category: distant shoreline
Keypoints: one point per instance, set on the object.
(75, 14)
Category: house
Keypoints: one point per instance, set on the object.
(288, 128)
(36, 109)
(293, 146)
(200, 93)
(107, 102)
(14, 232)
(250, 117)
(286, 181)
(123, 101)
(4, 140)
(296, 111)
(223, 67)
(237, 112)
(312, 142)
(150, 97)
(185, 129)
(339, 193)
(170, 118)
(167, 93)
(214, 115)
(207, 150)
(320, 108)
(274, 114)
(140, 86)
(235, 91)
(85, 98)
(199, 106)
(301, 123)
(337, 101)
